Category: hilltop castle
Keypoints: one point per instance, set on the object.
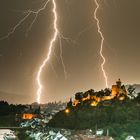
(118, 89)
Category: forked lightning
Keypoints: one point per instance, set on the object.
(56, 32)
(102, 42)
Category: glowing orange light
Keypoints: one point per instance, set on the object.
(94, 103)
(121, 98)
(67, 111)
(28, 116)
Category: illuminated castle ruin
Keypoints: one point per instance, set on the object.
(119, 90)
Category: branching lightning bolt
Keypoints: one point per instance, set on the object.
(17, 25)
(102, 42)
(55, 35)
(28, 13)
(61, 57)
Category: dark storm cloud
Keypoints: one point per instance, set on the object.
(20, 56)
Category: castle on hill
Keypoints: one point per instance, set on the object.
(118, 89)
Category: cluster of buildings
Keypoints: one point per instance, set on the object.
(43, 112)
(7, 134)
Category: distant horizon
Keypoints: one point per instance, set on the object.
(63, 100)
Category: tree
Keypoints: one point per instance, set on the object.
(79, 96)
(137, 99)
(85, 95)
(100, 94)
(131, 91)
(107, 92)
(91, 92)
(69, 104)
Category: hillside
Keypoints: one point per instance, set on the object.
(84, 116)
(121, 117)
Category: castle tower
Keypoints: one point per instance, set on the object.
(116, 88)
(119, 83)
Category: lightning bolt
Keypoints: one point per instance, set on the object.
(28, 13)
(17, 25)
(61, 57)
(55, 35)
(102, 42)
(69, 40)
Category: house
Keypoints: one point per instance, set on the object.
(59, 136)
(130, 138)
(83, 137)
(6, 134)
(99, 132)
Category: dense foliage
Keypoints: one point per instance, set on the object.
(6, 109)
(8, 112)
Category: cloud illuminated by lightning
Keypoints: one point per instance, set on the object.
(102, 42)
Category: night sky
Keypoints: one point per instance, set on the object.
(21, 54)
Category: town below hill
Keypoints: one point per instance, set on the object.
(113, 112)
